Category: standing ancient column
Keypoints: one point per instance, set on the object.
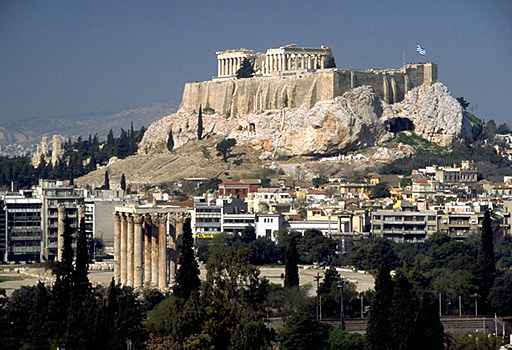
(171, 244)
(218, 67)
(117, 247)
(162, 253)
(129, 252)
(154, 251)
(61, 212)
(296, 62)
(147, 251)
(124, 248)
(138, 251)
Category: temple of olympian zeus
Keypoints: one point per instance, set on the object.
(146, 245)
(287, 59)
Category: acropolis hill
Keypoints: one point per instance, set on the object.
(290, 76)
(299, 104)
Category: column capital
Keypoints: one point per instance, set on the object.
(117, 216)
(137, 219)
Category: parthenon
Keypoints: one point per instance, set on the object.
(146, 245)
(279, 61)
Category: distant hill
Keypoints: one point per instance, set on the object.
(17, 138)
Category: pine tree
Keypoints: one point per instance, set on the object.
(200, 124)
(291, 271)
(485, 268)
(187, 277)
(379, 328)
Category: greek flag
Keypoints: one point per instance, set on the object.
(421, 50)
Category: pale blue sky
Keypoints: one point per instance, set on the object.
(75, 57)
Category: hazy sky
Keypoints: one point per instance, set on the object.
(74, 57)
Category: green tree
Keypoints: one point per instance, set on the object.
(319, 181)
(500, 295)
(291, 274)
(170, 141)
(106, 184)
(404, 331)
(463, 103)
(123, 182)
(315, 247)
(341, 339)
(378, 329)
(187, 276)
(485, 270)
(200, 124)
(224, 148)
(303, 332)
(380, 190)
(246, 70)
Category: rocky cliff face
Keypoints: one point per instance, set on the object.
(357, 119)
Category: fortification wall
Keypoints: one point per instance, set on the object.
(243, 96)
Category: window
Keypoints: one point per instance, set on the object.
(376, 217)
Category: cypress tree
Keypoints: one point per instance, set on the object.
(379, 328)
(291, 272)
(187, 277)
(170, 141)
(106, 185)
(404, 308)
(200, 124)
(81, 265)
(485, 268)
(123, 182)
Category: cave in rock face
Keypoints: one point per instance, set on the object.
(399, 124)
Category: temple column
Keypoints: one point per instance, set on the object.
(296, 62)
(124, 248)
(129, 252)
(117, 247)
(61, 215)
(138, 251)
(147, 251)
(219, 68)
(322, 62)
(162, 253)
(303, 62)
(172, 249)
(315, 61)
(154, 251)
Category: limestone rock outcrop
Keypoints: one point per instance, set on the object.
(355, 120)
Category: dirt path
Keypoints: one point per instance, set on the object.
(27, 276)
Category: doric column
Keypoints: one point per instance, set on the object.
(117, 247)
(315, 61)
(124, 249)
(303, 61)
(154, 251)
(265, 70)
(147, 251)
(230, 66)
(219, 73)
(296, 62)
(162, 253)
(138, 251)
(61, 215)
(129, 252)
(322, 62)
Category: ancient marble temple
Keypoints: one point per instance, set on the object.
(288, 59)
(146, 245)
